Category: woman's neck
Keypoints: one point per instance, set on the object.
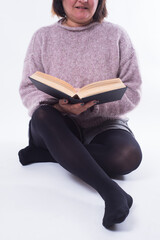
(69, 23)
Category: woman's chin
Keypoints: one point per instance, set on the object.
(83, 20)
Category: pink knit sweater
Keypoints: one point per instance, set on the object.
(82, 55)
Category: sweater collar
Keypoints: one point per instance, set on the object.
(76, 28)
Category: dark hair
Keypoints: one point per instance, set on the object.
(100, 14)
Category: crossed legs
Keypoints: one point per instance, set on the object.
(93, 163)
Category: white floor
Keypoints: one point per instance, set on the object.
(44, 201)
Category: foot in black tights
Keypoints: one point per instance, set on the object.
(32, 154)
(120, 205)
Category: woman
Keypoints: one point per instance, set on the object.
(92, 141)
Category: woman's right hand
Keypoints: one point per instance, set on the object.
(77, 108)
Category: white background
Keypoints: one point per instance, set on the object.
(43, 201)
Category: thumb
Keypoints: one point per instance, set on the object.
(63, 101)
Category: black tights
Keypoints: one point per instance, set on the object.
(113, 152)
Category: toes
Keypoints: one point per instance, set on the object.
(110, 220)
(121, 217)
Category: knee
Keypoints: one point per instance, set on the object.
(130, 159)
(43, 114)
(46, 117)
(39, 115)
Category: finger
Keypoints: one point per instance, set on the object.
(90, 104)
(77, 107)
(73, 108)
(63, 101)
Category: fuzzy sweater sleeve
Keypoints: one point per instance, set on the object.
(129, 73)
(30, 95)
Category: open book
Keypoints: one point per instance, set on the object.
(103, 91)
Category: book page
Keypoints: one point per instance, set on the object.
(54, 82)
(103, 86)
(107, 82)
